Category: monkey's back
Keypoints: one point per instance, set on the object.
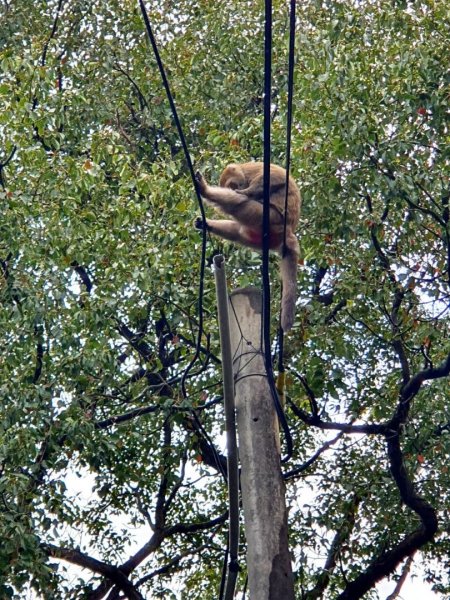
(253, 170)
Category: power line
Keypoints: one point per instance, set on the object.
(194, 182)
(204, 237)
(266, 228)
(291, 62)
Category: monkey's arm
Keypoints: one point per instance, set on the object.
(217, 194)
(247, 211)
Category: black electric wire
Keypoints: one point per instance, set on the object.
(289, 109)
(200, 203)
(233, 566)
(291, 62)
(192, 173)
(223, 577)
(266, 211)
(266, 228)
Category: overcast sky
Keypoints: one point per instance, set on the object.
(413, 589)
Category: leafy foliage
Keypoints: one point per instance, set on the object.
(102, 463)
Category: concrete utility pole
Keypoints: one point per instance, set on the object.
(263, 491)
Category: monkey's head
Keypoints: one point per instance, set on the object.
(233, 177)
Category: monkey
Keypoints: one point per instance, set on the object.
(240, 195)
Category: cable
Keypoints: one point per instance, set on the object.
(224, 571)
(230, 428)
(266, 228)
(289, 109)
(291, 61)
(204, 229)
(192, 173)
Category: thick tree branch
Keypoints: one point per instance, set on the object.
(316, 421)
(160, 512)
(309, 392)
(399, 295)
(114, 574)
(389, 561)
(412, 387)
(407, 393)
(206, 351)
(100, 591)
(142, 100)
(405, 572)
(386, 563)
(382, 256)
(339, 306)
(83, 275)
(177, 485)
(325, 299)
(172, 565)
(129, 416)
(210, 455)
(161, 534)
(148, 548)
(146, 410)
(135, 340)
(52, 33)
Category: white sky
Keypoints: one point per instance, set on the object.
(413, 589)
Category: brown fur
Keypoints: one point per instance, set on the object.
(240, 195)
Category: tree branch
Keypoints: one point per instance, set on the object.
(3, 164)
(410, 390)
(52, 33)
(39, 353)
(397, 342)
(316, 421)
(342, 535)
(114, 574)
(314, 457)
(100, 591)
(194, 527)
(405, 572)
(387, 562)
(83, 275)
(135, 340)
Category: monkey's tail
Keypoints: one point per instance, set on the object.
(288, 270)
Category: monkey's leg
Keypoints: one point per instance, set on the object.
(228, 230)
(247, 211)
